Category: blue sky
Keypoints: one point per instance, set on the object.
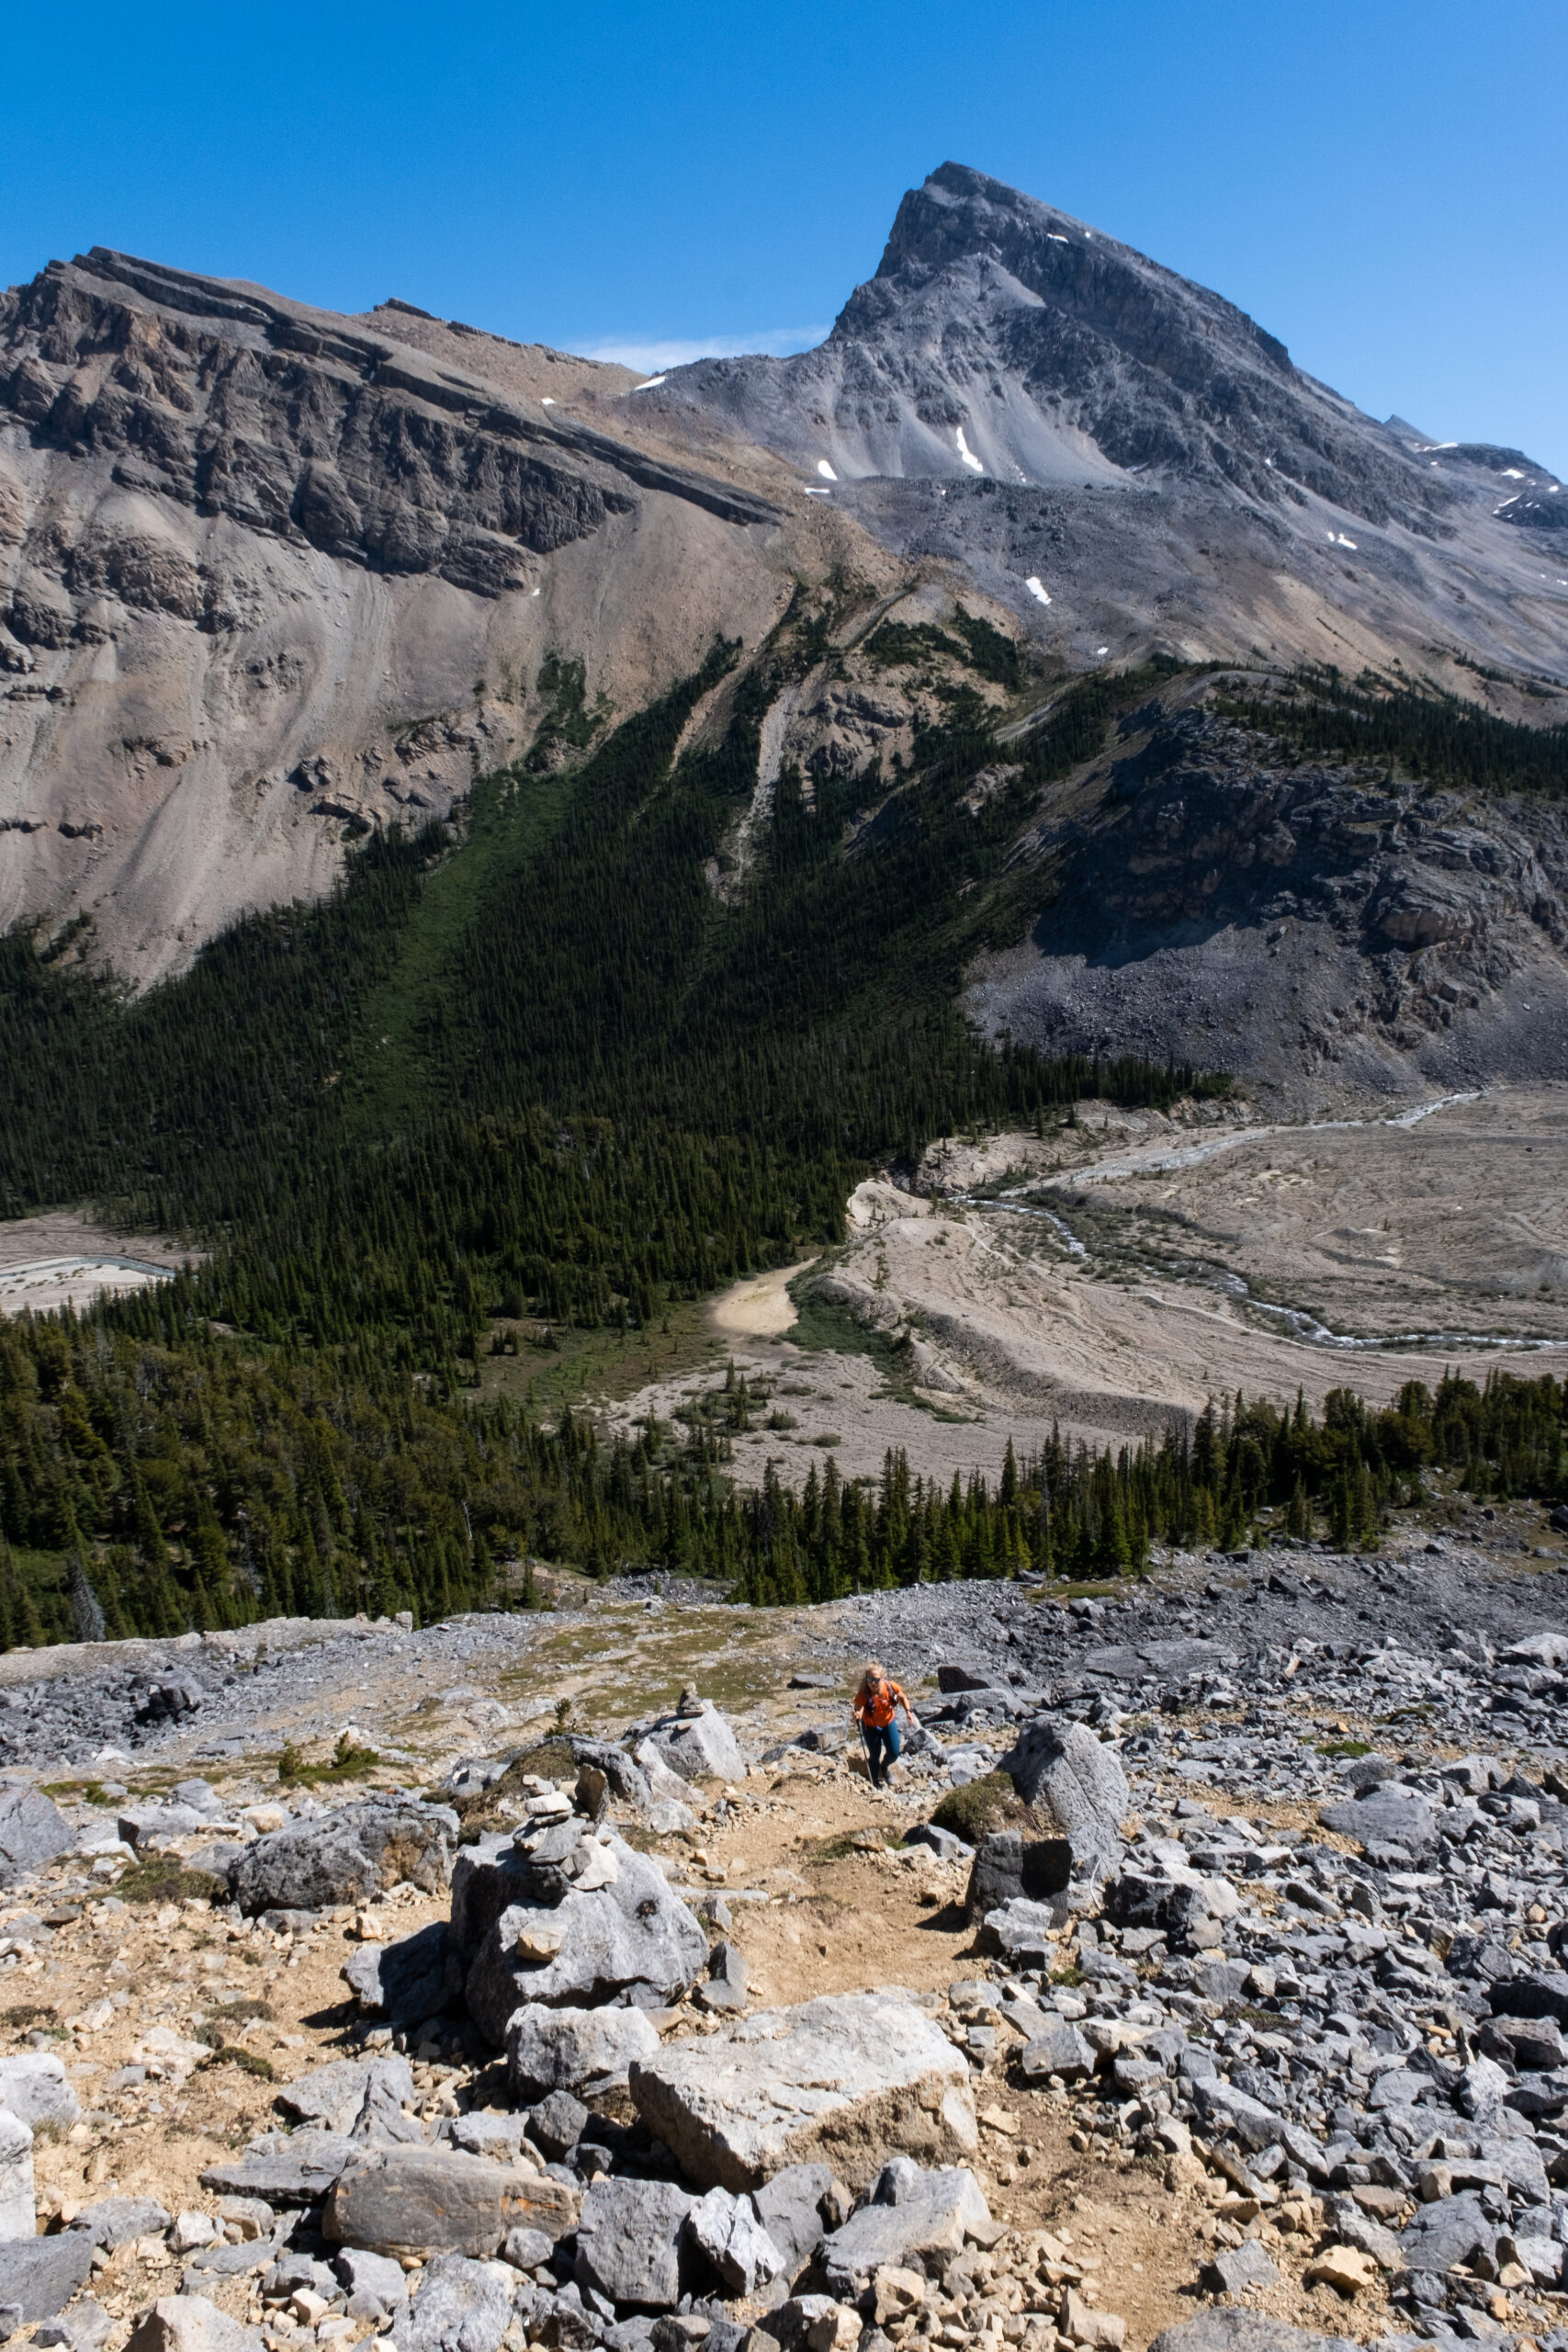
(1382, 184)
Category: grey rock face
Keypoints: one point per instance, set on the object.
(1448, 2231)
(943, 1843)
(1060, 1766)
(628, 2241)
(32, 1830)
(33, 2087)
(549, 2049)
(414, 2200)
(461, 2306)
(345, 1857)
(1388, 1813)
(632, 1932)
(1021, 1931)
(727, 1982)
(38, 2275)
(1243, 2331)
(842, 2079)
(915, 2219)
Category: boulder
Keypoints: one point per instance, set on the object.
(347, 1856)
(790, 2208)
(699, 1748)
(1447, 2231)
(362, 2098)
(419, 2200)
(33, 2087)
(18, 2216)
(628, 2241)
(528, 2250)
(1061, 1769)
(32, 1831)
(1097, 2330)
(1242, 2331)
(284, 2167)
(191, 2323)
(727, 1980)
(461, 2306)
(634, 1932)
(143, 1824)
(375, 2274)
(944, 1844)
(1008, 1867)
(842, 2078)
(1022, 1931)
(549, 2050)
(1060, 2050)
(816, 2323)
(407, 1981)
(1223, 2106)
(914, 2219)
(670, 1809)
(1237, 2268)
(486, 2134)
(115, 2221)
(727, 2234)
(38, 2275)
(557, 2124)
(1385, 1815)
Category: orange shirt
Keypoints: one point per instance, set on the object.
(876, 1703)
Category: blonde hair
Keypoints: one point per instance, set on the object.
(875, 1671)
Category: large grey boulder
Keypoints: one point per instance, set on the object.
(346, 1856)
(461, 2306)
(914, 2219)
(550, 2049)
(145, 1824)
(699, 1748)
(1021, 1931)
(33, 2087)
(727, 2234)
(17, 2204)
(1061, 1768)
(1543, 1994)
(628, 2241)
(629, 1932)
(284, 2167)
(842, 2079)
(38, 2275)
(407, 1981)
(421, 2200)
(363, 2098)
(33, 1830)
(1385, 1815)
(373, 2275)
(1223, 2106)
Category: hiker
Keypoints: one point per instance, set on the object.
(876, 1705)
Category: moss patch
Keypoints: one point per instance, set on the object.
(987, 1805)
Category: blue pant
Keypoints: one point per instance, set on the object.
(882, 1744)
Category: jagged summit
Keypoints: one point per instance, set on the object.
(1001, 336)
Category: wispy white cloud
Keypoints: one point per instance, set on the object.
(653, 357)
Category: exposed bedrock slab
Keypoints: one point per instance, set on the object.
(418, 2201)
(284, 2167)
(633, 1932)
(1239, 2331)
(843, 2080)
(32, 1830)
(628, 2241)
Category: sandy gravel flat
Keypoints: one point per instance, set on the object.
(64, 1258)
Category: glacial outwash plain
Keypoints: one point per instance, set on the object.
(666, 1039)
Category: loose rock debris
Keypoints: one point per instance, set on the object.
(1236, 2024)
